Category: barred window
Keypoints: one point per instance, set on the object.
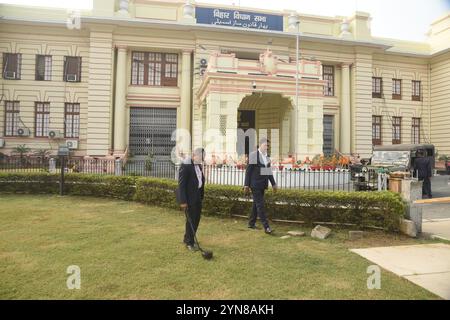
(43, 67)
(72, 69)
(137, 69)
(71, 120)
(416, 90)
(396, 130)
(154, 69)
(11, 118)
(223, 125)
(415, 131)
(396, 89)
(328, 75)
(171, 69)
(377, 87)
(376, 130)
(41, 118)
(12, 65)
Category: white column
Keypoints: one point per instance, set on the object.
(186, 89)
(345, 114)
(120, 110)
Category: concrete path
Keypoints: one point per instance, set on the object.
(437, 227)
(436, 217)
(425, 265)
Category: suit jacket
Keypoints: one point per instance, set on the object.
(188, 191)
(253, 176)
(423, 167)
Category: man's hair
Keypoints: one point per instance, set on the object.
(199, 152)
(263, 140)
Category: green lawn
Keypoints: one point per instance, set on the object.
(131, 251)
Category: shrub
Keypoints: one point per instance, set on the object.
(75, 184)
(364, 209)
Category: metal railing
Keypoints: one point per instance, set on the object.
(158, 169)
(24, 164)
(331, 180)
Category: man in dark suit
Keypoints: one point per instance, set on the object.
(422, 167)
(257, 177)
(191, 188)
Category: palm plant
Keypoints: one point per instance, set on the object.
(21, 149)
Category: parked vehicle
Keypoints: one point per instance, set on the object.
(387, 159)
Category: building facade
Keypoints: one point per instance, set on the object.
(120, 78)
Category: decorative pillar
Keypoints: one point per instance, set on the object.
(345, 112)
(184, 139)
(120, 110)
(186, 90)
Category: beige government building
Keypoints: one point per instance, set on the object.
(120, 78)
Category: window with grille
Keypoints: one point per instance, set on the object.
(223, 124)
(11, 118)
(377, 87)
(72, 69)
(328, 76)
(328, 134)
(376, 130)
(416, 90)
(154, 69)
(137, 69)
(41, 118)
(71, 120)
(151, 131)
(415, 130)
(12, 65)
(396, 130)
(396, 89)
(43, 68)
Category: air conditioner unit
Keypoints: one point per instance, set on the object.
(71, 77)
(54, 134)
(10, 75)
(2, 143)
(23, 132)
(72, 144)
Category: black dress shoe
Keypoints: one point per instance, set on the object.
(251, 226)
(268, 230)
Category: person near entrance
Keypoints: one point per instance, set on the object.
(191, 189)
(257, 177)
(422, 167)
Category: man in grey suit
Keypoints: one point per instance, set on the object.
(257, 177)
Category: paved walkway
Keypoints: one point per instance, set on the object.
(425, 265)
(436, 217)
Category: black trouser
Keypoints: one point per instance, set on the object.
(258, 208)
(194, 212)
(426, 186)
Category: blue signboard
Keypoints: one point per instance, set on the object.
(239, 19)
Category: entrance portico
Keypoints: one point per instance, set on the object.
(267, 87)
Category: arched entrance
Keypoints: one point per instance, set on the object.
(269, 115)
